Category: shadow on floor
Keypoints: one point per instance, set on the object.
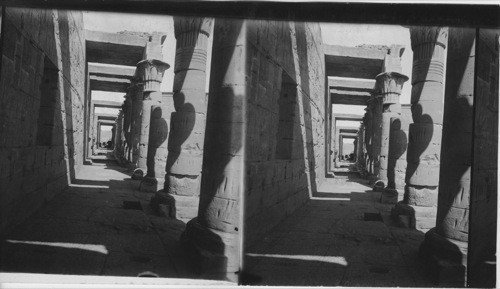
(338, 242)
(100, 225)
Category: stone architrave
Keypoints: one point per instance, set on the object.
(187, 129)
(419, 206)
(390, 85)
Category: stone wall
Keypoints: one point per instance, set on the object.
(285, 145)
(41, 123)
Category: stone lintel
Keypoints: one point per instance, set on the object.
(349, 97)
(105, 103)
(105, 116)
(373, 52)
(115, 48)
(112, 84)
(342, 116)
(116, 71)
(354, 62)
(354, 84)
(348, 135)
(346, 129)
(106, 121)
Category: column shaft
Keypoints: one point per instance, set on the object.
(376, 137)
(216, 230)
(127, 120)
(135, 122)
(390, 86)
(150, 72)
(187, 129)
(367, 120)
(447, 242)
(418, 209)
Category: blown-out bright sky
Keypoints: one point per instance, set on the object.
(332, 33)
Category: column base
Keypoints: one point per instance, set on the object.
(379, 185)
(446, 259)
(183, 208)
(138, 174)
(149, 185)
(218, 251)
(391, 196)
(414, 217)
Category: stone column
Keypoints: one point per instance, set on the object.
(360, 154)
(445, 246)
(367, 120)
(390, 85)
(389, 92)
(126, 129)
(135, 90)
(418, 208)
(376, 107)
(99, 135)
(482, 239)
(151, 73)
(113, 135)
(117, 144)
(341, 142)
(216, 232)
(187, 129)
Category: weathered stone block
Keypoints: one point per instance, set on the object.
(179, 184)
(422, 174)
(421, 196)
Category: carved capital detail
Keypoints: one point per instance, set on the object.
(150, 71)
(422, 35)
(191, 25)
(389, 85)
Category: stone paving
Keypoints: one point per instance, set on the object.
(328, 242)
(87, 231)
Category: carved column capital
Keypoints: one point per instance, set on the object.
(428, 44)
(183, 24)
(150, 71)
(421, 35)
(389, 85)
(192, 40)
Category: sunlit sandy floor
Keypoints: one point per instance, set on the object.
(328, 242)
(86, 230)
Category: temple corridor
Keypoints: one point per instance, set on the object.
(247, 151)
(343, 236)
(101, 225)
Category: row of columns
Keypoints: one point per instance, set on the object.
(440, 147)
(216, 186)
(382, 110)
(215, 230)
